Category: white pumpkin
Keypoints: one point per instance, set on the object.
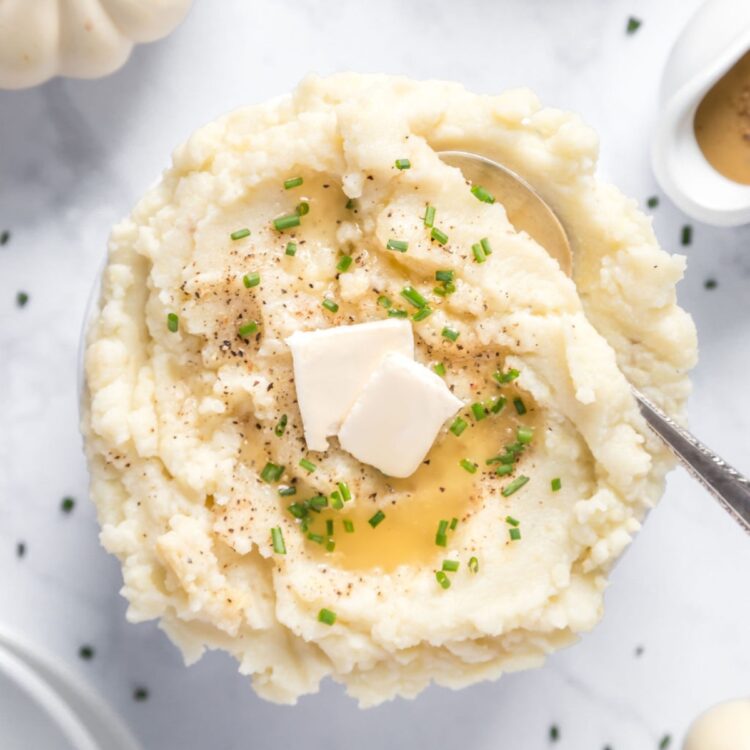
(40, 39)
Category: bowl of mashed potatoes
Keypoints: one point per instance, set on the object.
(343, 420)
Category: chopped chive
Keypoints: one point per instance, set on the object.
(297, 510)
(450, 565)
(425, 312)
(397, 313)
(86, 653)
(458, 426)
(330, 305)
(281, 425)
(441, 537)
(173, 322)
(478, 411)
(248, 329)
(239, 234)
(302, 208)
(439, 236)
(251, 279)
(286, 222)
(376, 519)
(469, 466)
(308, 466)
(429, 216)
(329, 527)
(21, 299)
(403, 164)
(485, 243)
(348, 526)
(514, 534)
(511, 521)
(336, 502)
(330, 545)
(498, 404)
(652, 202)
(291, 248)
(506, 377)
(439, 369)
(326, 616)
(287, 491)
(556, 484)
(292, 183)
(686, 236)
(346, 493)
(524, 435)
(411, 295)
(520, 406)
(344, 263)
(481, 194)
(384, 301)
(479, 255)
(665, 742)
(277, 539)
(473, 564)
(443, 579)
(445, 276)
(271, 472)
(400, 246)
(710, 284)
(504, 469)
(317, 538)
(453, 524)
(450, 334)
(67, 504)
(448, 288)
(554, 733)
(633, 25)
(515, 485)
(350, 204)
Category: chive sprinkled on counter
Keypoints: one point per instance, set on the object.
(348, 526)
(344, 263)
(330, 305)
(652, 202)
(251, 279)
(287, 491)
(443, 579)
(400, 246)
(384, 301)
(248, 329)
(292, 183)
(271, 472)
(173, 322)
(439, 369)
(554, 733)
(441, 536)
(411, 295)
(4, 237)
(425, 312)
(451, 566)
(67, 504)
(239, 234)
(633, 25)
(307, 465)
(286, 222)
(450, 334)
(21, 299)
(140, 694)
(376, 519)
(458, 426)
(556, 484)
(520, 406)
(479, 255)
(277, 540)
(439, 236)
(686, 237)
(281, 425)
(403, 164)
(302, 208)
(86, 653)
(392, 313)
(468, 465)
(515, 485)
(665, 742)
(482, 194)
(326, 616)
(429, 216)
(291, 249)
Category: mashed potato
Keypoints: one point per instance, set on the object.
(187, 401)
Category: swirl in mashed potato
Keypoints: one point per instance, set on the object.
(184, 414)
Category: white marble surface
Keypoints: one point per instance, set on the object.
(74, 156)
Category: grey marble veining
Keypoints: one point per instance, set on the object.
(74, 157)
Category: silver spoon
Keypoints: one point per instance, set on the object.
(528, 212)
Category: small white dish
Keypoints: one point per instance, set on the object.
(711, 43)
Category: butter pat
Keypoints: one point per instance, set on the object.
(331, 367)
(396, 417)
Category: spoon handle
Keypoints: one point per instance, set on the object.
(730, 488)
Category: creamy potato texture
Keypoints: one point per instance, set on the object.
(180, 424)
